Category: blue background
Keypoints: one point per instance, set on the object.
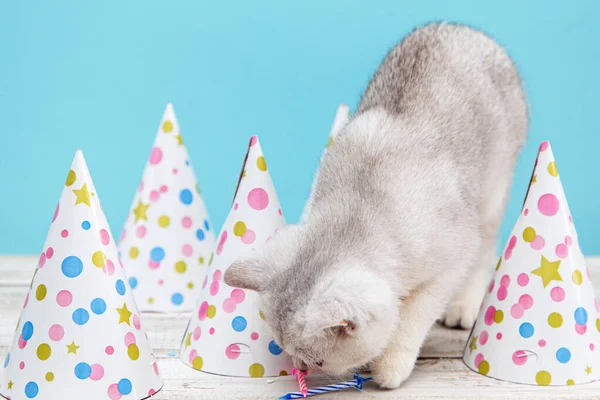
(97, 75)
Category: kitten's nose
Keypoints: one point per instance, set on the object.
(299, 364)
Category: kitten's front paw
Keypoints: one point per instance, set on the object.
(393, 368)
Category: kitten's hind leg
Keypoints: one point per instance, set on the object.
(464, 307)
(462, 310)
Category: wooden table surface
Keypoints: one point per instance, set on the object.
(440, 373)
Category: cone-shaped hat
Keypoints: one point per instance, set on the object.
(168, 236)
(79, 335)
(342, 116)
(538, 323)
(226, 334)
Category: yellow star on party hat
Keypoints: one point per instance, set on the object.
(342, 117)
(80, 335)
(227, 334)
(168, 236)
(539, 322)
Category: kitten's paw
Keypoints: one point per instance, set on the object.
(391, 369)
(461, 313)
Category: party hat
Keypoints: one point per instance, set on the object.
(168, 236)
(79, 335)
(539, 322)
(342, 117)
(227, 334)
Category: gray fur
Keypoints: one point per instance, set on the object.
(406, 209)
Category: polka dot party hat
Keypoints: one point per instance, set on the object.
(226, 334)
(80, 334)
(539, 322)
(342, 117)
(168, 236)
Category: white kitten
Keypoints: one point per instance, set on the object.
(405, 210)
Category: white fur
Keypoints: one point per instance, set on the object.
(404, 211)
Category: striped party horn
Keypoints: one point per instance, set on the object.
(356, 383)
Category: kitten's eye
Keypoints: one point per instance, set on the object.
(319, 363)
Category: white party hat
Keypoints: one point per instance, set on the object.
(168, 236)
(539, 322)
(342, 117)
(80, 334)
(227, 334)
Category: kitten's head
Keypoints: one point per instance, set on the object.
(324, 307)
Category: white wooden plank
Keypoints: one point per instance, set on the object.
(432, 379)
(16, 270)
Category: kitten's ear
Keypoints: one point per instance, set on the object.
(255, 269)
(332, 326)
(249, 273)
(343, 328)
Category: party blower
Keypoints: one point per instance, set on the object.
(539, 323)
(227, 334)
(80, 335)
(168, 236)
